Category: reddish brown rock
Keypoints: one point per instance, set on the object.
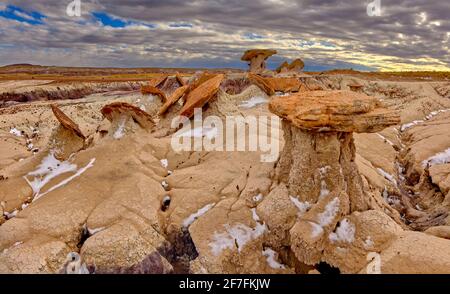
(66, 122)
(180, 92)
(284, 67)
(180, 80)
(257, 59)
(150, 90)
(296, 65)
(155, 82)
(334, 111)
(284, 84)
(117, 109)
(261, 83)
(198, 97)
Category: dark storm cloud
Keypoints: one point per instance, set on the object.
(215, 33)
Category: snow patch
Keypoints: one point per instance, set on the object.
(236, 236)
(15, 132)
(164, 163)
(51, 168)
(368, 243)
(193, 217)
(120, 132)
(345, 232)
(385, 139)
(387, 176)
(258, 197)
(410, 125)
(94, 231)
(326, 217)
(252, 102)
(271, 259)
(440, 158)
(301, 206)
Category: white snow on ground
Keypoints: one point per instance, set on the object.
(368, 243)
(440, 158)
(238, 235)
(120, 132)
(193, 217)
(258, 197)
(387, 176)
(271, 260)
(385, 139)
(51, 168)
(317, 230)
(301, 206)
(165, 185)
(428, 117)
(142, 107)
(254, 101)
(15, 132)
(344, 233)
(94, 231)
(326, 217)
(164, 163)
(10, 215)
(410, 125)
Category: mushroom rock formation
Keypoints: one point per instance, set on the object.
(257, 59)
(296, 65)
(261, 83)
(318, 167)
(150, 90)
(198, 97)
(180, 92)
(284, 67)
(67, 138)
(122, 115)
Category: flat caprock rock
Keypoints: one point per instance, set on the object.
(173, 99)
(201, 95)
(334, 111)
(117, 109)
(66, 122)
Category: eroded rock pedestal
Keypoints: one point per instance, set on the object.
(318, 168)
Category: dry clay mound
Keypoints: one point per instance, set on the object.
(127, 203)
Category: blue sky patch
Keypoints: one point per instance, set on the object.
(108, 20)
(19, 14)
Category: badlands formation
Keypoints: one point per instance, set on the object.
(92, 184)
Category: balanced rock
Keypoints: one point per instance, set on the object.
(198, 97)
(119, 113)
(257, 59)
(67, 138)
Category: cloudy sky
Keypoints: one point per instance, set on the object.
(326, 34)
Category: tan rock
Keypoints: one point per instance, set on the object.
(285, 85)
(67, 139)
(154, 91)
(66, 122)
(180, 80)
(261, 83)
(201, 95)
(284, 67)
(180, 92)
(115, 110)
(155, 82)
(257, 59)
(334, 111)
(296, 65)
(439, 231)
